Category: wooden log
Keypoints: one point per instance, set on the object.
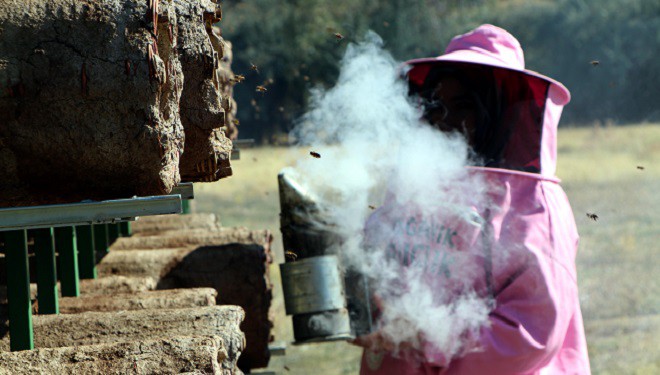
(154, 263)
(111, 284)
(240, 275)
(117, 284)
(89, 289)
(90, 328)
(199, 355)
(155, 225)
(157, 299)
(207, 150)
(196, 237)
(239, 272)
(89, 98)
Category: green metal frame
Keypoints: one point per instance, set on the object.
(54, 224)
(101, 240)
(113, 233)
(185, 206)
(125, 229)
(65, 244)
(44, 249)
(86, 252)
(18, 291)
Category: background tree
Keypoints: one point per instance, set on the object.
(605, 51)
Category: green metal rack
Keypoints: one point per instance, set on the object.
(187, 193)
(66, 228)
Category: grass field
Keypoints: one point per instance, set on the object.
(613, 172)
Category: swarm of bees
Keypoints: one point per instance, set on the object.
(593, 217)
(315, 154)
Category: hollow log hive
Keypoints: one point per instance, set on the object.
(178, 264)
(111, 98)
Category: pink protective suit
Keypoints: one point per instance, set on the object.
(535, 325)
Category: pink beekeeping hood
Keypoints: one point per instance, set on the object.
(534, 101)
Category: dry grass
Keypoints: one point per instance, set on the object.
(617, 261)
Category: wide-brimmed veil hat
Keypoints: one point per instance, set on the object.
(487, 45)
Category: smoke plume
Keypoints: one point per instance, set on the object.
(375, 152)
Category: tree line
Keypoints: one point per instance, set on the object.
(605, 51)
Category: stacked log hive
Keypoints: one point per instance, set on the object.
(234, 261)
(90, 328)
(97, 98)
(184, 251)
(110, 99)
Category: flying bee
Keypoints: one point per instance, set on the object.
(315, 154)
(339, 37)
(262, 89)
(235, 122)
(593, 217)
(640, 167)
(238, 78)
(594, 62)
(291, 255)
(254, 68)
(372, 207)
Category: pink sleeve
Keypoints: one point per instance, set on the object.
(526, 329)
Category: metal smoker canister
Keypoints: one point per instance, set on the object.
(326, 301)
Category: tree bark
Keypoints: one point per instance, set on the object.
(197, 355)
(90, 328)
(157, 299)
(203, 114)
(89, 98)
(93, 95)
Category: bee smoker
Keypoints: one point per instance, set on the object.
(326, 301)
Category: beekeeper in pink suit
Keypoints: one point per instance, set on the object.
(509, 115)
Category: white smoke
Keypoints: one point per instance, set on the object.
(373, 144)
